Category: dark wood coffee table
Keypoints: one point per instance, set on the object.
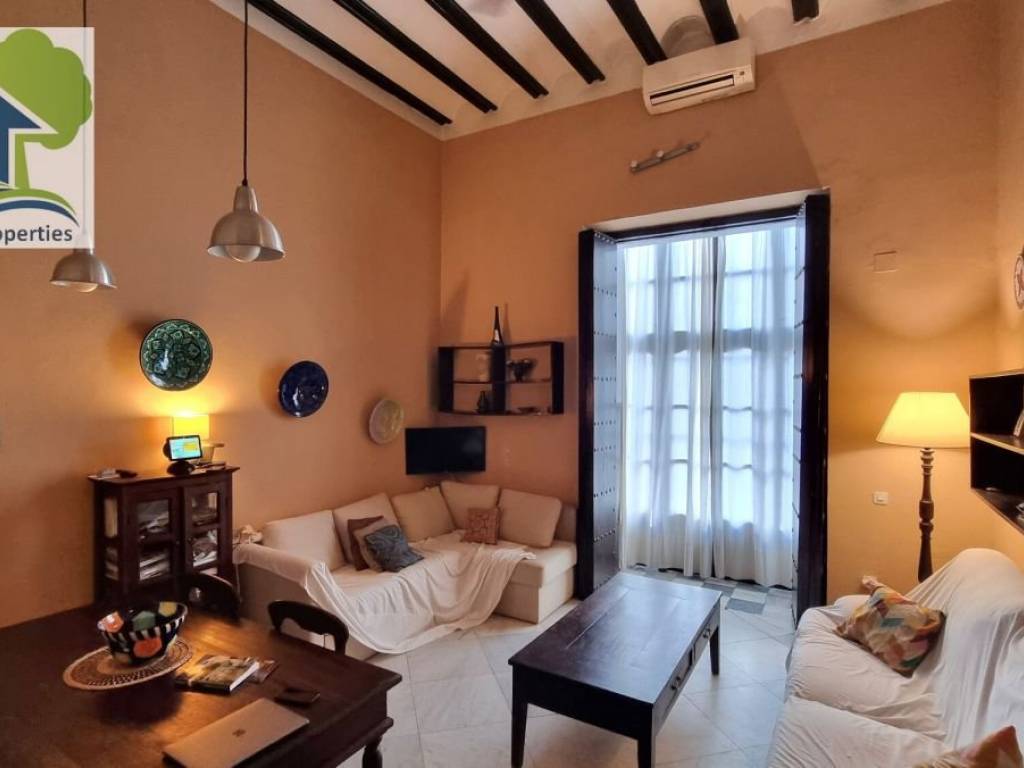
(619, 660)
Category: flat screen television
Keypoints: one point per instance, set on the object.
(436, 450)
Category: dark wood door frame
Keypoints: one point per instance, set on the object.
(812, 544)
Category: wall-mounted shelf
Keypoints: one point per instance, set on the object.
(466, 371)
(997, 457)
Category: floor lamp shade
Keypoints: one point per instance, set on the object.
(927, 420)
(244, 234)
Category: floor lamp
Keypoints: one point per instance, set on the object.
(926, 420)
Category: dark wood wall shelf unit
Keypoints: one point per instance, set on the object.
(153, 529)
(997, 457)
(540, 393)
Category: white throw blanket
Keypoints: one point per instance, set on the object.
(455, 586)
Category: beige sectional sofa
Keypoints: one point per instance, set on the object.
(537, 586)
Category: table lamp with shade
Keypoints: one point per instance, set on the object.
(926, 420)
(196, 424)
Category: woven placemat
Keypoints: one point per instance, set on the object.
(98, 671)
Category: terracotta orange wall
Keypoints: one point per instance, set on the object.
(899, 120)
(1010, 229)
(355, 192)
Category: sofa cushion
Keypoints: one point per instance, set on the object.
(997, 750)
(354, 525)
(423, 514)
(462, 497)
(894, 628)
(482, 526)
(549, 563)
(365, 551)
(374, 506)
(528, 518)
(312, 536)
(812, 734)
(828, 669)
(391, 550)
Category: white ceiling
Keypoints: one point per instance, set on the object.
(768, 22)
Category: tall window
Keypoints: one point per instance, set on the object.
(708, 327)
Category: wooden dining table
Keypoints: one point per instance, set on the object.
(43, 722)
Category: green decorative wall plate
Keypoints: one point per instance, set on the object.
(176, 355)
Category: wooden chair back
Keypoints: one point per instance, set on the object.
(311, 619)
(211, 593)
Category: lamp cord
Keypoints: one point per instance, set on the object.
(245, 100)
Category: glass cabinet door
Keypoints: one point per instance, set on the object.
(204, 512)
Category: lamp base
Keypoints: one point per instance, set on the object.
(927, 512)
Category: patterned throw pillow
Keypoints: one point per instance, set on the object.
(997, 750)
(482, 526)
(364, 548)
(391, 550)
(357, 552)
(897, 630)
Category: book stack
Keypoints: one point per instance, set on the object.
(217, 673)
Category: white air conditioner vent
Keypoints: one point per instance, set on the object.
(694, 78)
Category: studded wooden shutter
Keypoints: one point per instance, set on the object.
(600, 443)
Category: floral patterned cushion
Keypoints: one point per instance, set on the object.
(482, 526)
(897, 630)
(997, 750)
(391, 550)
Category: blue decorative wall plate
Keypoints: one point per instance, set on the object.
(176, 355)
(303, 389)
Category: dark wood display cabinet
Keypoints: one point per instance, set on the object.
(482, 380)
(153, 529)
(997, 455)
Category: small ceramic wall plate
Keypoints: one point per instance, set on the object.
(386, 421)
(303, 389)
(1018, 280)
(176, 355)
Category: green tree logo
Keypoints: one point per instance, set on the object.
(45, 98)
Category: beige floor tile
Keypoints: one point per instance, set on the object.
(746, 714)
(734, 629)
(701, 680)
(758, 756)
(689, 733)
(734, 759)
(505, 681)
(399, 752)
(485, 746)
(559, 742)
(458, 655)
(760, 660)
(448, 705)
(500, 648)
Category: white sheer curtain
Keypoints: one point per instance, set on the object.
(706, 339)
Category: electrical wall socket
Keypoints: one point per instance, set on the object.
(881, 498)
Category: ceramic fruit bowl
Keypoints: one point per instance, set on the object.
(142, 635)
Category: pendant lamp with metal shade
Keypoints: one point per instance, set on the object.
(82, 270)
(245, 234)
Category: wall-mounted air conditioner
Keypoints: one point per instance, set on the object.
(711, 73)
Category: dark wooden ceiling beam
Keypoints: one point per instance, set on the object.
(455, 15)
(560, 37)
(805, 9)
(723, 27)
(414, 51)
(639, 31)
(318, 39)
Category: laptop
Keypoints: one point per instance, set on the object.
(236, 737)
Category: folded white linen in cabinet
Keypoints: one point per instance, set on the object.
(456, 586)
